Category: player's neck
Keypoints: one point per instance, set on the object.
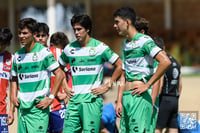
(30, 46)
(131, 33)
(85, 42)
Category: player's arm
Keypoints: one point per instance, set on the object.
(11, 114)
(164, 63)
(11, 111)
(13, 99)
(14, 102)
(117, 72)
(68, 90)
(161, 84)
(61, 96)
(59, 76)
(155, 91)
(118, 108)
(13, 91)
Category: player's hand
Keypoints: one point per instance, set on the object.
(66, 100)
(137, 90)
(44, 103)
(16, 102)
(61, 96)
(100, 90)
(118, 109)
(10, 118)
(69, 92)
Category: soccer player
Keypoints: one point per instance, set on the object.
(31, 71)
(58, 107)
(42, 34)
(138, 75)
(5, 76)
(86, 56)
(170, 91)
(108, 121)
(59, 40)
(142, 26)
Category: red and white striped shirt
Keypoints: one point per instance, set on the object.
(56, 104)
(5, 75)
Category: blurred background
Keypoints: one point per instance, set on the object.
(176, 21)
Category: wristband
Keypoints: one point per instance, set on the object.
(51, 96)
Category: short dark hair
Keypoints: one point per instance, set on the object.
(43, 27)
(29, 23)
(159, 42)
(5, 35)
(84, 20)
(126, 13)
(141, 24)
(59, 38)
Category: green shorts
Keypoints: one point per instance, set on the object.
(136, 114)
(84, 117)
(33, 120)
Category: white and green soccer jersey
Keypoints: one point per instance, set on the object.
(86, 66)
(33, 71)
(138, 60)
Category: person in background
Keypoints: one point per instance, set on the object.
(42, 34)
(58, 107)
(108, 120)
(31, 71)
(142, 26)
(5, 76)
(138, 76)
(86, 57)
(58, 41)
(170, 90)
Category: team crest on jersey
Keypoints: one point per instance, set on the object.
(92, 51)
(8, 62)
(35, 57)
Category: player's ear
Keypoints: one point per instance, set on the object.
(128, 21)
(51, 45)
(87, 30)
(142, 31)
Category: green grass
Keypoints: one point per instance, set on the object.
(191, 75)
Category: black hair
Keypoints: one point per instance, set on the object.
(141, 24)
(28, 23)
(84, 20)
(159, 42)
(59, 38)
(126, 13)
(5, 35)
(43, 27)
